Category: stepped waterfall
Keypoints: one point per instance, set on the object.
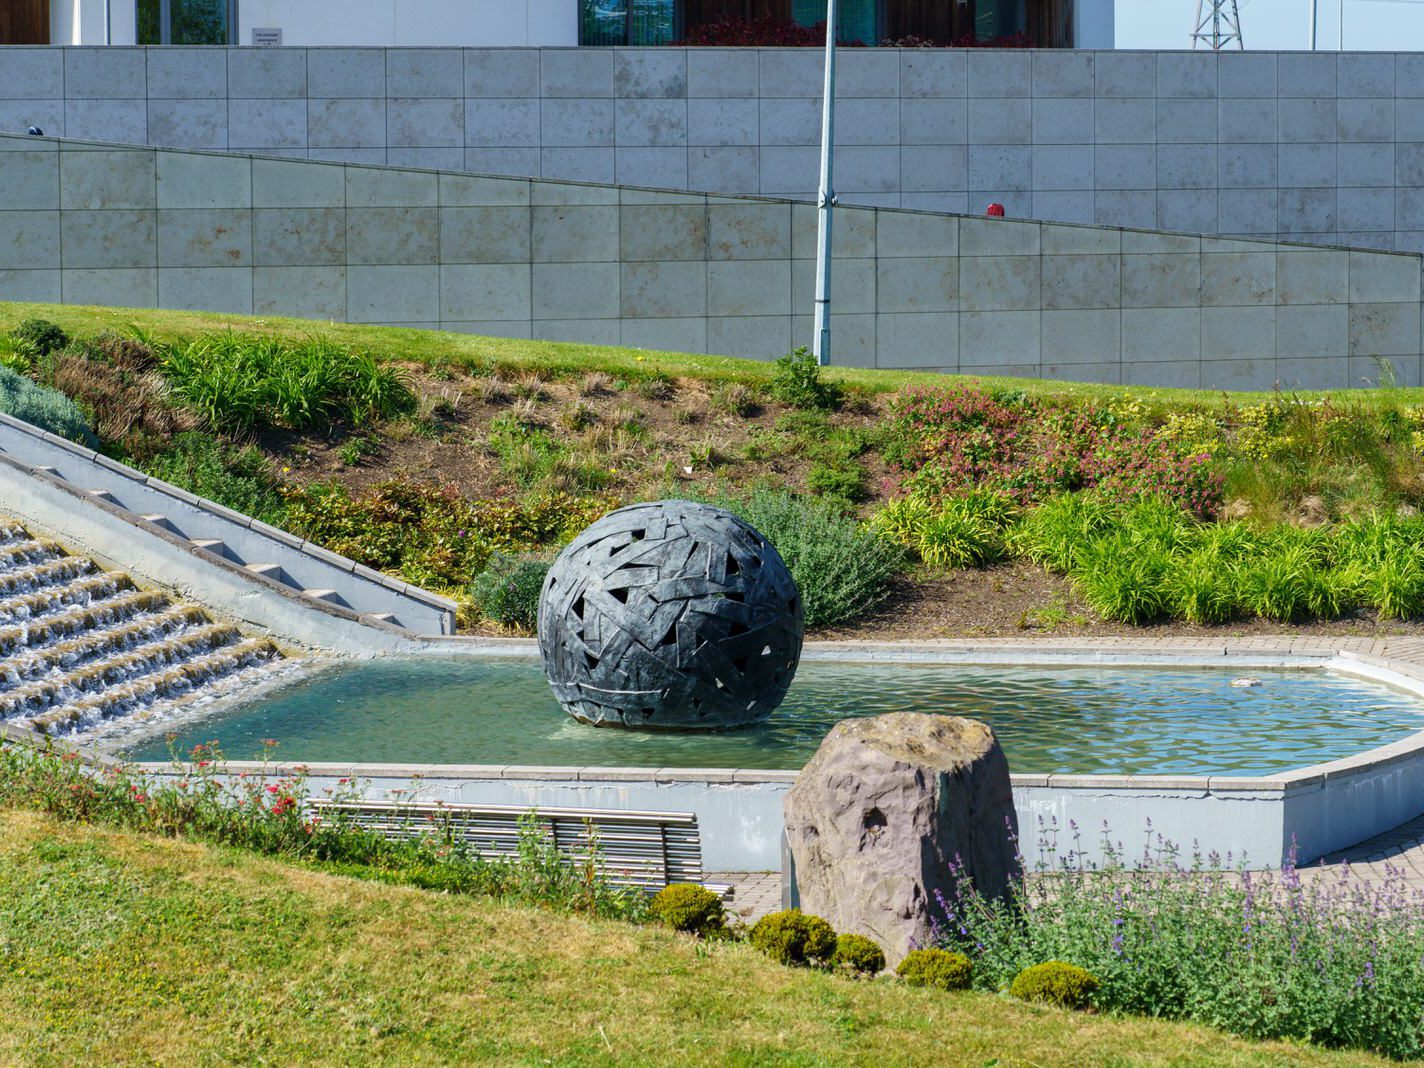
(81, 646)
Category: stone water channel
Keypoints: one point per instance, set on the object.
(80, 646)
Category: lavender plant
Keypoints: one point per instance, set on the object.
(1323, 956)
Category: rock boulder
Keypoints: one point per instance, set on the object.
(876, 819)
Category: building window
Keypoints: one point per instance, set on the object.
(187, 22)
(856, 20)
(628, 22)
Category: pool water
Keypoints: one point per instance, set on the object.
(1049, 719)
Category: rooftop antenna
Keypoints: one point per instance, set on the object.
(1217, 25)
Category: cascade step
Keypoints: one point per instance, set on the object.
(38, 632)
(22, 553)
(143, 660)
(329, 596)
(171, 682)
(52, 472)
(49, 574)
(213, 545)
(271, 571)
(162, 521)
(99, 644)
(103, 495)
(86, 589)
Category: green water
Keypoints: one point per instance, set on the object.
(1084, 720)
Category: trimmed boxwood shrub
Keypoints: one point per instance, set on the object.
(794, 937)
(939, 968)
(1056, 983)
(859, 953)
(691, 908)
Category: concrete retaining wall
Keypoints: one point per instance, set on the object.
(86, 223)
(1324, 147)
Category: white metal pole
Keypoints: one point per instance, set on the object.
(826, 198)
(1314, 13)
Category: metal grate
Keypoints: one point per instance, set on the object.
(648, 850)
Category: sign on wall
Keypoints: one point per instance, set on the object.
(267, 38)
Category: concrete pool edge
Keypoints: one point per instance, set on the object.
(1320, 808)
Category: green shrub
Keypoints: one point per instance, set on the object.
(1395, 588)
(1056, 983)
(507, 591)
(859, 954)
(1057, 532)
(45, 408)
(842, 569)
(940, 968)
(843, 481)
(968, 531)
(793, 937)
(796, 381)
(36, 338)
(1123, 580)
(691, 908)
(1199, 589)
(1279, 584)
(236, 478)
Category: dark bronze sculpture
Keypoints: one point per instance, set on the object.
(670, 616)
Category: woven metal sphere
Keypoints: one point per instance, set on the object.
(670, 616)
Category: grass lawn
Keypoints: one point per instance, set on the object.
(468, 351)
(122, 948)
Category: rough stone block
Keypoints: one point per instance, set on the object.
(1409, 75)
(303, 292)
(867, 73)
(1080, 240)
(933, 169)
(1257, 375)
(1160, 280)
(1308, 120)
(928, 340)
(386, 294)
(512, 73)
(299, 237)
(491, 292)
(1081, 281)
(1247, 166)
(663, 232)
(394, 236)
(1307, 276)
(788, 170)
(521, 162)
(267, 124)
(105, 73)
(852, 337)
(120, 288)
(1238, 333)
(1247, 121)
(1187, 167)
(425, 123)
(998, 237)
(29, 240)
(448, 158)
(48, 115)
(577, 123)
(471, 191)
(790, 72)
(33, 74)
(576, 73)
(1246, 74)
(204, 237)
(358, 73)
(853, 236)
(757, 337)
(1312, 330)
(290, 184)
(1165, 374)
(115, 121)
(662, 167)
(868, 122)
(1247, 211)
(1384, 329)
(584, 331)
(1186, 75)
(929, 284)
(1150, 334)
(749, 288)
(186, 73)
(1000, 74)
(1069, 206)
(488, 234)
(1367, 370)
(368, 187)
(1059, 75)
(209, 289)
(1082, 336)
(1366, 210)
(103, 239)
(188, 123)
(1306, 165)
(1067, 121)
(719, 73)
(736, 169)
(346, 123)
(576, 291)
(1186, 122)
(266, 73)
(1365, 120)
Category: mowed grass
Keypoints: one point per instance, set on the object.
(120, 948)
(470, 352)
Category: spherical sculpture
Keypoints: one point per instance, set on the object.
(670, 616)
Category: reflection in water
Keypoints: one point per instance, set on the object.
(1085, 720)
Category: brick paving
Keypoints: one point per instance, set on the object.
(755, 893)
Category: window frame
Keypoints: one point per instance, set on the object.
(165, 25)
(679, 25)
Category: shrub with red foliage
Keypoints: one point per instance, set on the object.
(948, 441)
(768, 32)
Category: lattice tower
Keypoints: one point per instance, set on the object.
(1217, 25)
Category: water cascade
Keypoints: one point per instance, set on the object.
(80, 645)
